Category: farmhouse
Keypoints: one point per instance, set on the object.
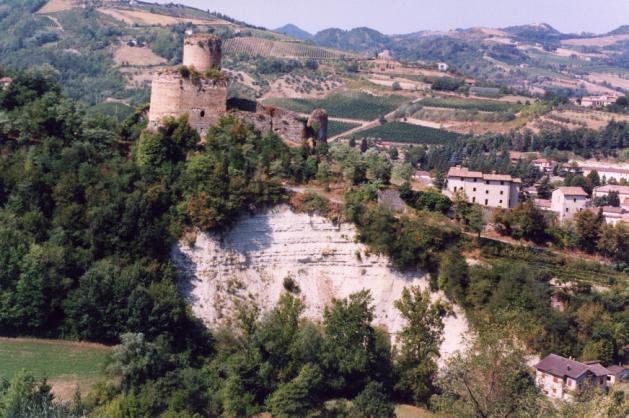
(598, 101)
(566, 201)
(491, 190)
(617, 374)
(559, 377)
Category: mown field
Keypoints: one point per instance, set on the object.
(50, 358)
(471, 104)
(337, 128)
(408, 134)
(359, 106)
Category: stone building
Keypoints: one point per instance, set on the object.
(491, 190)
(199, 89)
(566, 201)
(560, 378)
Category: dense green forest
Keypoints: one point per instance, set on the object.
(90, 208)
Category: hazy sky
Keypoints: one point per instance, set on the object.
(404, 16)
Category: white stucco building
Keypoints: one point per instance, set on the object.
(567, 201)
(559, 377)
(491, 190)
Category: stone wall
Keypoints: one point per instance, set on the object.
(204, 100)
(202, 51)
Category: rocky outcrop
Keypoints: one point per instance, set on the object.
(249, 264)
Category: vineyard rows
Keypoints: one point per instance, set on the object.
(278, 49)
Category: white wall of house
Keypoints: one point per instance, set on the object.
(490, 193)
(566, 206)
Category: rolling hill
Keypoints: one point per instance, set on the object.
(294, 31)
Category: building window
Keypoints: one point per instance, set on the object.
(575, 200)
(473, 200)
(455, 188)
(502, 183)
(486, 201)
(486, 191)
(486, 181)
(501, 202)
(475, 180)
(203, 113)
(501, 192)
(566, 210)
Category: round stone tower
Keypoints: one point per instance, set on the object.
(202, 51)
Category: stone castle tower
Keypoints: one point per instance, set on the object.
(198, 88)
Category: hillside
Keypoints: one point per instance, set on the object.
(294, 32)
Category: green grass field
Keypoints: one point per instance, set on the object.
(337, 128)
(358, 106)
(472, 104)
(408, 134)
(51, 359)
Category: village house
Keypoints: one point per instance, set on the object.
(606, 173)
(613, 215)
(5, 82)
(602, 191)
(617, 374)
(442, 66)
(544, 165)
(566, 201)
(491, 190)
(559, 377)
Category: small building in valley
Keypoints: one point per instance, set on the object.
(566, 201)
(545, 165)
(442, 66)
(491, 190)
(560, 378)
(5, 82)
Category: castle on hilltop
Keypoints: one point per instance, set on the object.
(199, 89)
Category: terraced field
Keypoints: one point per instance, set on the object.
(279, 49)
(408, 134)
(357, 106)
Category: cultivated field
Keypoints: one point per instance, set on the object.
(134, 17)
(357, 106)
(278, 49)
(126, 55)
(471, 104)
(336, 128)
(65, 364)
(408, 134)
(613, 79)
(54, 6)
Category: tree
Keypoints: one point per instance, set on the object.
(588, 225)
(419, 343)
(373, 402)
(364, 146)
(613, 242)
(438, 180)
(594, 179)
(459, 205)
(297, 397)
(489, 379)
(349, 343)
(453, 275)
(475, 219)
(544, 189)
(396, 86)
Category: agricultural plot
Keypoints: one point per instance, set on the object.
(65, 364)
(408, 134)
(336, 128)
(472, 104)
(358, 106)
(278, 49)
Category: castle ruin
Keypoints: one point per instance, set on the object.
(199, 89)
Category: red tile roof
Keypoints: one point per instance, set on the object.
(572, 191)
(458, 171)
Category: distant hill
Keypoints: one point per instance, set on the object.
(357, 39)
(294, 31)
(536, 32)
(622, 30)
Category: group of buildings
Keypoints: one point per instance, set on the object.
(503, 191)
(597, 101)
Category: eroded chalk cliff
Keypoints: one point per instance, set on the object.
(250, 262)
